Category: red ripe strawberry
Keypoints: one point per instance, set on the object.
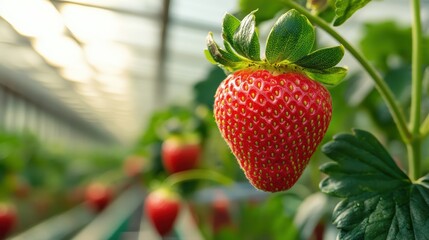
(273, 124)
(162, 207)
(98, 196)
(273, 112)
(8, 219)
(180, 153)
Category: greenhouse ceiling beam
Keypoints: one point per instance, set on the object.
(160, 84)
(26, 89)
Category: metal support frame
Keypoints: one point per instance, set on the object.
(161, 80)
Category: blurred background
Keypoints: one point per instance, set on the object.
(90, 89)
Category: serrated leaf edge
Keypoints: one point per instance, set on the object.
(306, 61)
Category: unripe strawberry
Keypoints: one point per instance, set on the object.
(273, 112)
(272, 124)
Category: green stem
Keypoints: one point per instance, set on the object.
(198, 174)
(416, 69)
(414, 153)
(424, 129)
(380, 85)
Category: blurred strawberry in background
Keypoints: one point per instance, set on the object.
(162, 207)
(98, 196)
(8, 219)
(180, 153)
(221, 212)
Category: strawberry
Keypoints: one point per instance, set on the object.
(98, 196)
(273, 112)
(273, 124)
(8, 218)
(180, 153)
(221, 212)
(162, 207)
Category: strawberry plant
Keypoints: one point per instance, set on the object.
(273, 112)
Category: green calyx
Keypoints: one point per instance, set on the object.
(288, 48)
(166, 192)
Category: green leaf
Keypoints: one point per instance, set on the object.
(328, 14)
(291, 38)
(331, 76)
(209, 57)
(380, 202)
(322, 58)
(344, 9)
(229, 27)
(215, 54)
(245, 39)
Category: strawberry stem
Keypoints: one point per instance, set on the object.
(424, 129)
(414, 148)
(416, 68)
(380, 84)
(197, 174)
